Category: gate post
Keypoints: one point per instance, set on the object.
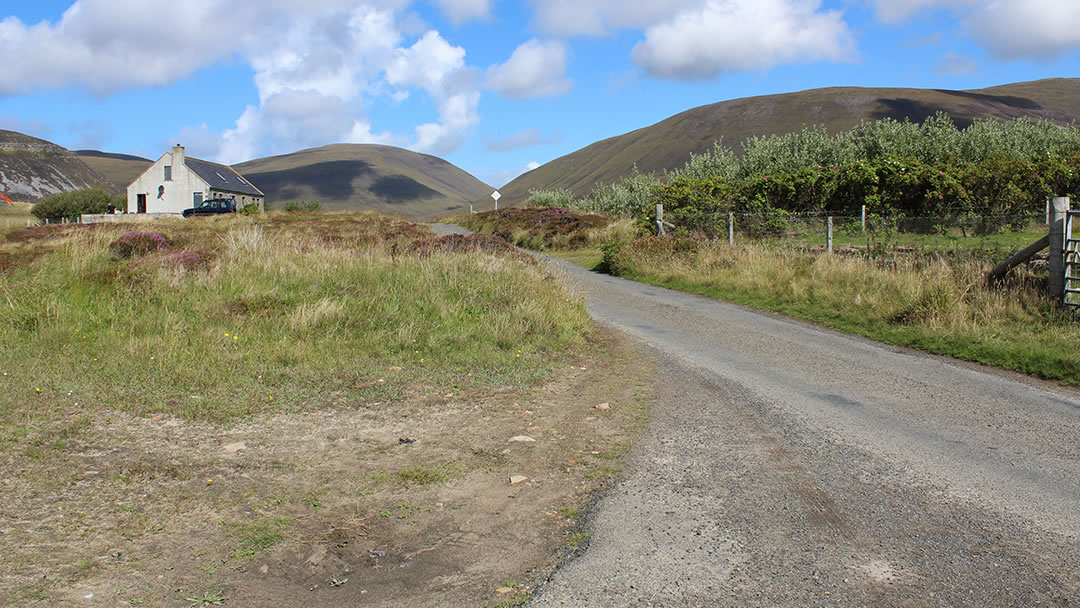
(1059, 210)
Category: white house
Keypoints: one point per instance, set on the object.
(175, 183)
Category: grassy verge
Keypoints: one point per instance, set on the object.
(14, 217)
(937, 303)
(246, 316)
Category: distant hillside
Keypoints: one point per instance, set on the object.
(668, 144)
(32, 168)
(121, 169)
(366, 176)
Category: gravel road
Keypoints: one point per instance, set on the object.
(787, 465)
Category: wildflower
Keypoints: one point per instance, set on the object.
(226, 334)
(38, 390)
(236, 337)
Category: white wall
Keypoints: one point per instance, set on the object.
(179, 191)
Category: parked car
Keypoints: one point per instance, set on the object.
(212, 206)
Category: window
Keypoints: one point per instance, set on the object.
(168, 173)
(198, 198)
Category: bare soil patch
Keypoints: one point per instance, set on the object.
(404, 503)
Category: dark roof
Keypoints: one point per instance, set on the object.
(221, 177)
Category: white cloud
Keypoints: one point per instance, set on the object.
(316, 64)
(726, 35)
(1027, 28)
(535, 69)
(436, 66)
(460, 11)
(1010, 29)
(425, 64)
(600, 17)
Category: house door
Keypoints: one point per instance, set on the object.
(141, 203)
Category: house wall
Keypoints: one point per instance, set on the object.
(179, 191)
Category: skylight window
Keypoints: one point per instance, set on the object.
(221, 176)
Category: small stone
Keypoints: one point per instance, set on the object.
(264, 569)
(603, 406)
(233, 448)
(522, 439)
(504, 590)
(527, 412)
(516, 479)
(395, 368)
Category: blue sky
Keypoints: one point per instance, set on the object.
(493, 86)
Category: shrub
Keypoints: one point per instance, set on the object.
(302, 206)
(135, 244)
(75, 203)
(550, 198)
(249, 209)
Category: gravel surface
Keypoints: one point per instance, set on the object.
(787, 465)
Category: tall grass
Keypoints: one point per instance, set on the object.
(242, 316)
(937, 303)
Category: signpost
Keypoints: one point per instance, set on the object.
(495, 195)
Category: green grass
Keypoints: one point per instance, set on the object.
(575, 541)
(283, 314)
(258, 535)
(939, 304)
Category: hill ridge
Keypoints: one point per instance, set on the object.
(667, 144)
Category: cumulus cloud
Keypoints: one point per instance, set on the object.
(537, 68)
(1037, 29)
(726, 35)
(522, 139)
(600, 17)
(1010, 29)
(460, 11)
(316, 64)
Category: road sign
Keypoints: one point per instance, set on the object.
(495, 195)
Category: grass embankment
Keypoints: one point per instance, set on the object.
(939, 303)
(14, 217)
(248, 316)
(542, 229)
(927, 292)
(254, 410)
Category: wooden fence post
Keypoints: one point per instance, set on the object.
(731, 228)
(828, 234)
(660, 219)
(1059, 210)
(864, 218)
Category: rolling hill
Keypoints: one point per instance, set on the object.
(669, 143)
(366, 176)
(121, 169)
(32, 168)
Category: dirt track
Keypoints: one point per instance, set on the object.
(786, 465)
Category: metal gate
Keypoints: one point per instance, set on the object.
(1072, 261)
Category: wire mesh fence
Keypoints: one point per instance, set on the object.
(853, 229)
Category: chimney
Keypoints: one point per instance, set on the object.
(177, 157)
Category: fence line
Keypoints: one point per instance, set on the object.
(781, 223)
